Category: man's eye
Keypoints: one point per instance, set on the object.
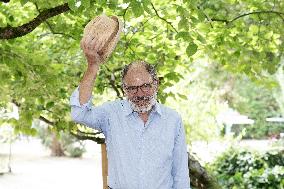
(147, 85)
(131, 88)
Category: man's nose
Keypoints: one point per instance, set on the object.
(139, 91)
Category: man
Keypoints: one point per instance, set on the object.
(145, 140)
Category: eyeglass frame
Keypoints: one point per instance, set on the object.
(154, 82)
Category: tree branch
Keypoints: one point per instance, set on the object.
(112, 83)
(85, 136)
(46, 120)
(14, 32)
(87, 133)
(259, 12)
(157, 14)
(5, 1)
(51, 28)
(79, 134)
(280, 14)
(207, 17)
(220, 20)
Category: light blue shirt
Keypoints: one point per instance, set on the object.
(140, 156)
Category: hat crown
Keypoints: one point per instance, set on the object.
(105, 30)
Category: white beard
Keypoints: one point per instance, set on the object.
(143, 108)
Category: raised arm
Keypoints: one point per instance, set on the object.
(82, 110)
(90, 49)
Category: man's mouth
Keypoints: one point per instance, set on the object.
(141, 99)
(142, 103)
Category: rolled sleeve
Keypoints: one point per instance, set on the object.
(180, 169)
(87, 114)
(74, 99)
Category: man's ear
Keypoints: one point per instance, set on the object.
(157, 84)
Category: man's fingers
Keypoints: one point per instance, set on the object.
(97, 57)
(95, 44)
(100, 45)
(91, 49)
(82, 43)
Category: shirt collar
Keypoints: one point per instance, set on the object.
(128, 110)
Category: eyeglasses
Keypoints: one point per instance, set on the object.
(146, 87)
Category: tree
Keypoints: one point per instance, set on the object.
(41, 62)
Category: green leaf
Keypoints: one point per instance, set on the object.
(146, 3)
(182, 11)
(113, 5)
(26, 117)
(137, 8)
(191, 49)
(203, 27)
(200, 14)
(253, 29)
(182, 96)
(183, 24)
(85, 3)
(100, 10)
(23, 2)
(11, 18)
(72, 5)
(49, 105)
(173, 76)
(201, 39)
(184, 35)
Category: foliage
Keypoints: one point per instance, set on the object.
(207, 90)
(41, 69)
(245, 169)
(198, 101)
(257, 103)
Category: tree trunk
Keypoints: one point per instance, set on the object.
(56, 148)
(199, 177)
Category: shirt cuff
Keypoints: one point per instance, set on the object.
(74, 99)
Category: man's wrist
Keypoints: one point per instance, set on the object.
(93, 68)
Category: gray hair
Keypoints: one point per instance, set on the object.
(150, 69)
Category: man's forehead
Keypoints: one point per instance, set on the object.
(138, 74)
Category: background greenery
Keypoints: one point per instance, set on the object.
(211, 55)
(245, 169)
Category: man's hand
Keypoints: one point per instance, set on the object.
(91, 48)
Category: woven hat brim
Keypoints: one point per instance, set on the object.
(111, 43)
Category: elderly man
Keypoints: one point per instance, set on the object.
(145, 140)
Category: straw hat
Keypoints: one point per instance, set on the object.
(106, 30)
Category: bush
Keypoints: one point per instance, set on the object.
(270, 177)
(244, 169)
